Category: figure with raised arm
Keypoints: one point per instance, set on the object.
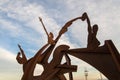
(93, 42)
(50, 35)
(29, 65)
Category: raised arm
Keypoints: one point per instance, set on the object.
(50, 35)
(22, 52)
(88, 22)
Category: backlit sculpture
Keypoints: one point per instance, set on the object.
(105, 58)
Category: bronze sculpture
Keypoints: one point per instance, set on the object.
(92, 55)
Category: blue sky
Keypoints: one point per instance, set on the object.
(19, 24)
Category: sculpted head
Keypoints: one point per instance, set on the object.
(95, 28)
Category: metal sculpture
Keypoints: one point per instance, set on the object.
(54, 70)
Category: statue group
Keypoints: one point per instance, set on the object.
(100, 57)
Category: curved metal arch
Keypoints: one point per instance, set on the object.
(106, 59)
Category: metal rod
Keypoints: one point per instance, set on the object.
(43, 26)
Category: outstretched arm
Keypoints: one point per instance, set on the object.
(64, 28)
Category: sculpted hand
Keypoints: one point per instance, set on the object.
(84, 16)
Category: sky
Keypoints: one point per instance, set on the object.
(19, 24)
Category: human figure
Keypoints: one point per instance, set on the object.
(29, 65)
(93, 42)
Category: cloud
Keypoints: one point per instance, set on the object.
(10, 27)
(9, 66)
(28, 13)
(6, 55)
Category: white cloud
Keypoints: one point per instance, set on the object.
(10, 27)
(29, 13)
(3, 2)
(10, 69)
(6, 55)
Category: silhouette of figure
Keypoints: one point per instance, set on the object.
(29, 65)
(93, 42)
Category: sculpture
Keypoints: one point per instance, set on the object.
(92, 55)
